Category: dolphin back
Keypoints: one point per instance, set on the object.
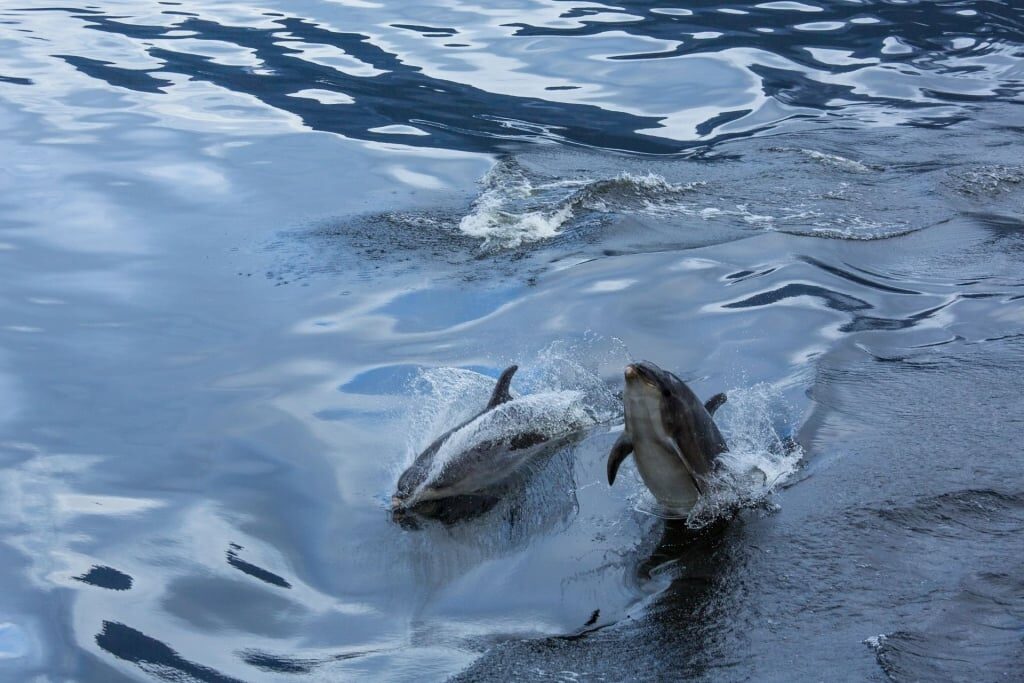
(481, 463)
(693, 427)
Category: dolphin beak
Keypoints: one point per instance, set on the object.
(397, 503)
(631, 372)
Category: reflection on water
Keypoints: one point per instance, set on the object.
(472, 77)
(251, 254)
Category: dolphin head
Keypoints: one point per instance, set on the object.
(646, 372)
(646, 382)
(404, 490)
(414, 489)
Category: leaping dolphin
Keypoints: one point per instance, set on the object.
(464, 468)
(672, 435)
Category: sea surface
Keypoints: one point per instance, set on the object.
(254, 256)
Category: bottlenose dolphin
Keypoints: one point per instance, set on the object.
(464, 469)
(672, 435)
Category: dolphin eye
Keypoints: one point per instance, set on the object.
(666, 393)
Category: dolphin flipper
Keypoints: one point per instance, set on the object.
(714, 403)
(620, 451)
(501, 394)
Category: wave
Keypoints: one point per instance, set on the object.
(985, 181)
(513, 208)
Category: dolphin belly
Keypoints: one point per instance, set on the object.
(665, 475)
(656, 454)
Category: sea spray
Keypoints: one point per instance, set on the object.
(513, 208)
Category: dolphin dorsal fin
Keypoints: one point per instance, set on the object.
(501, 394)
(714, 403)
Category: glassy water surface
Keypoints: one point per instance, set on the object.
(256, 256)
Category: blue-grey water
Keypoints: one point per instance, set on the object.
(254, 256)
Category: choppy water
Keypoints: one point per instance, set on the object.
(255, 256)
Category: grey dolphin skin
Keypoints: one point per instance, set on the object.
(470, 480)
(671, 434)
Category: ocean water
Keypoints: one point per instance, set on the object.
(255, 256)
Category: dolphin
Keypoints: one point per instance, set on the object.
(671, 434)
(464, 470)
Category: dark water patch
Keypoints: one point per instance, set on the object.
(743, 275)
(284, 664)
(977, 637)
(950, 514)
(852, 277)
(276, 664)
(401, 94)
(739, 275)
(133, 79)
(1002, 225)
(429, 31)
(708, 126)
(254, 571)
(833, 299)
(279, 664)
(863, 323)
(952, 340)
(153, 656)
(106, 577)
(15, 80)
(660, 642)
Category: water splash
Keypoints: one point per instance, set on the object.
(760, 457)
(549, 414)
(988, 180)
(556, 396)
(839, 161)
(514, 209)
(755, 423)
(443, 398)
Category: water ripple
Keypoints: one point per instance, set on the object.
(474, 78)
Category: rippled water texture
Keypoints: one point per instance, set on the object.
(256, 257)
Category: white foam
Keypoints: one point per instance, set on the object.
(512, 209)
(493, 224)
(836, 160)
(876, 642)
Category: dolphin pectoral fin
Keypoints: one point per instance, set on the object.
(714, 403)
(501, 394)
(620, 451)
(697, 480)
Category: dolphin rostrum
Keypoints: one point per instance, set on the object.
(472, 460)
(671, 434)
